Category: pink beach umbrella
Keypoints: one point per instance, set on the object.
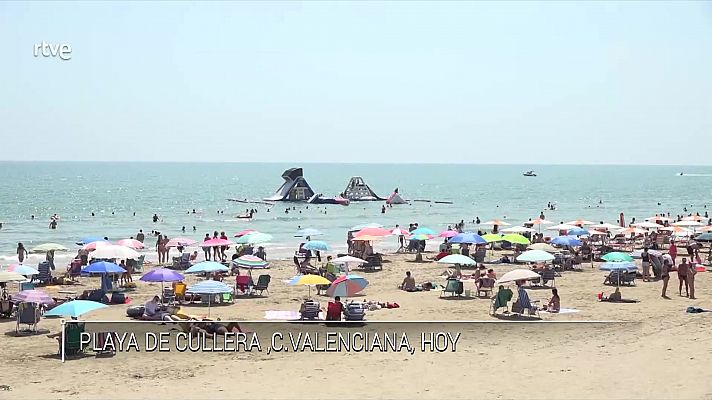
(33, 296)
(373, 232)
(216, 243)
(131, 243)
(181, 241)
(448, 234)
(94, 245)
(244, 232)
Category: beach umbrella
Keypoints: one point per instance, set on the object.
(346, 286)
(74, 308)
(618, 266)
(578, 222)
(309, 280)
(705, 237)
(316, 245)
(217, 242)
(707, 228)
(688, 223)
(659, 218)
(617, 256)
(114, 251)
(254, 238)
(457, 259)
(632, 231)
(162, 275)
(694, 218)
(518, 229)
(373, 232)
(399, 232)
(647, 225)
(23, 269)
(543, 247)
(592, 232)
(577, 232)
(515, 238)
(424, 231)
(249, 261)
(308, 232)
(467, 237)
(211, 288)
(130, 243)
(518, 275)
(492, 237)
(244, 232)
(43, 248)
(540, 221)
(420, 236)
(535, 256)
(9, 276)
(206, 266)
(367, 238)
(637, 253)
(496, 222)
(95, 245)
(181, 242)
(103, 267)
(348, 260)
(562, 227)
(33, 296)
(448, 234)
(606, 226)
(566, 241)
(362, 226)
(89, 239)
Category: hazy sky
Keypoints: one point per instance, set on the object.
(465, 82)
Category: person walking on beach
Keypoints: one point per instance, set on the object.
(21, 252)
(216, 249)
(672, 251)
(645, 257)
(223, 249)
(159, 248)
(691, 272)
(166, 249)
(682, 271)
(206, 250)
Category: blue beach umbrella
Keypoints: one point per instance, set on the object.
(162, 275)
(206, 266)
(424, 231)
(75, 308)
(103, 267)
(618, 266)
(89, 239)
(577, 232)
(211, 288)
(467, 237)
(566, 241)
(316, 245)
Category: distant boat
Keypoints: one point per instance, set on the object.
(529, 173)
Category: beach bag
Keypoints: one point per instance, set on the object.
(135, 311)
(118, 298)
(354, 312)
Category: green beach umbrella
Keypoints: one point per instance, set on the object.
(617, 256)
(492, 237)
(515, 238)
(535, 256)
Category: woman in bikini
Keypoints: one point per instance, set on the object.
(682, 271)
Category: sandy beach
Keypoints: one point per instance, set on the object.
(656, 350)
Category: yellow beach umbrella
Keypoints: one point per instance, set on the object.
(309, 280)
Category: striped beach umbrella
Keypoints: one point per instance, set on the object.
(346, 286)
(251, 262)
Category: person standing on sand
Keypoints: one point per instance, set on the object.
(665, 275)
(140, 236)
(645, 257)
(166, 249)
(672, 251)
(206, 250)
(21, 252)
(691, 272)
(159, 248)
(216, 249)
(682, 271)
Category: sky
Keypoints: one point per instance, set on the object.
(424, 82)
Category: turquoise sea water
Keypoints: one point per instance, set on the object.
(75, 190)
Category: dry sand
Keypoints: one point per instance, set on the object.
(660, 352)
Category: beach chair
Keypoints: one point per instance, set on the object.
(102, 338)
(75, 269)
(501, 300)
(613, 278)
(44, 276)
(547, 275)
(454, 287)
(354, 312)
(26, 286)
(168, 296)
(72, 340)
(138, 266)
(27, 314)
(243, 283)
(627, 278)
(179, 291)
(523, 304)
(486, 287)
(333, 311)
(5, 308)
(262, 284)
(480, 254)
(375, 262)
(310, 310)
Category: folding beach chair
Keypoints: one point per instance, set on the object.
(27, 314)
(262, 284)
(454, 287)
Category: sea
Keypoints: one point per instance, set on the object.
(125, 196)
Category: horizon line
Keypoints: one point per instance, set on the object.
(351, 163)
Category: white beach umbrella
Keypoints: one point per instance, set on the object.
(540, 221)
(544, 247)
(348, 259)
(607, 226)
(518, 275)
(688, 223)
(593, 232)
(632, 231)
(114, 251)
(518, 229)
(659, 218)
(647, 225)
(694, 218)
(562, 227)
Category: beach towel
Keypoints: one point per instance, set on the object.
(504, 296)
(563, 311)
(277, 315)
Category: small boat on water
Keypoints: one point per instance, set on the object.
(529, 173)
